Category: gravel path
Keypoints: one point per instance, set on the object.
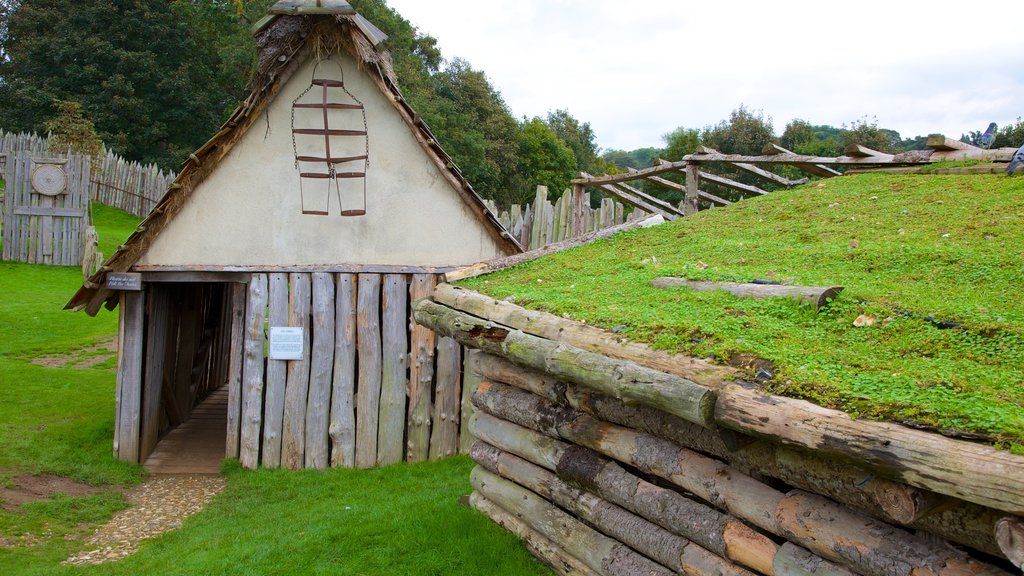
(159, 505)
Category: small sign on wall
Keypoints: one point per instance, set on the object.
(124, 281)
(285, 343)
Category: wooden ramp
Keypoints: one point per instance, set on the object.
(197, 446)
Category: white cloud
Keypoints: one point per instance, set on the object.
(637, 70)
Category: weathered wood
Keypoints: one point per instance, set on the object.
(470, 380)
(813, 166)
(421, 377)
(368, 344)
(296, 393)
(691, 195)
(580, 335)
(178, 277)
(496, 264)
(641, 200)
(751, 169)
(155, 353)
(305, 268)
(652, 200)
(444, 434)
(277, 375)
(320, 372)
(792, 560)
(1010, 536)
(859, 151)
(129, 375)
(651, 540)
(732, 184)
(395, 379)
(343, 385)
(544, 549)
(236, 358)
(940, 142)
(579, 210)
(601, 553)
(620, 379)
(252, 372)
(955, 520)
(815, 296)
(965, 470)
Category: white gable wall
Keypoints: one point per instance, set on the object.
(248, 211)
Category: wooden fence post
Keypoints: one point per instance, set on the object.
(692, 193)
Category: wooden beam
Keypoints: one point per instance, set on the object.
(751, 169)
(321, 366)
(343, 385)
(337, 268)
(368, 338)
(421, 376)
(444, 434)
(859, 151)
(277, 375)
(235, 361)
(807, 166)
(252, 372)
(185, 277)
(816, 296)
(692, 194)
(395, 367)
(713, 199)
(943, 144)
(129, 376)
(641, 201)
(296, 392)
(730, 183)
(666, 206)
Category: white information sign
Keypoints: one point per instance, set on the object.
(285, 343)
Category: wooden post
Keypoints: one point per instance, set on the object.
(421, 376)
(320, 371)
(277, 370)
(470, 380)
(252, 372)
(369, 351)
(444, 434)
(579, 211)
(394, 379)
(156, 345)
(343, 416)
(296, 394)
(690, 205)
(235, 361)
(129, 375)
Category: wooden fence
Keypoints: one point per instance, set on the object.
(45, 226)
(124, 184)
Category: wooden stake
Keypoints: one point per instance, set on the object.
(368, 389)
(444, 434)
(252, 372)
(395, 362)
(236, 360)
(343, 417)
(277, 375)
(296, 394)
(321, 367)
(421, 377)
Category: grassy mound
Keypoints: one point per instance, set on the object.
(905, 247)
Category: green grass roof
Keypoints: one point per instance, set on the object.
(904, 246)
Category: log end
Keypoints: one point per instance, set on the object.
(827, 295)
(1010, 537)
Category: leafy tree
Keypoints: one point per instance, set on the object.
(639, 158)
(680, 142)
(70, 130)
(579, 137)
(865, 131)
(544, 158)
(803, 137)
(1010, 135)
(6, 8)
(745, 132)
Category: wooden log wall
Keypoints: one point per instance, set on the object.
(42, 229)
(592, 473)
(373, 387)
(541, 223)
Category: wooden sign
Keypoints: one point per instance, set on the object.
(286, 343)
(128, 281)
(49, 179)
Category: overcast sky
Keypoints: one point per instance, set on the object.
(637, 70)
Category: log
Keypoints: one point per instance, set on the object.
(235, 355)
(691, 196)
(732, 184)
(815, 296)
(940, 142)
(811, 166)
(318, 406)
(625, 380)
(793, 560)
(961, 522)
(751, 169)
(157, 329)
(252, 372)
(395, 365)
(583, 336)
(296, 393)
(544, 549)
(965, 470)
(653, 541)
(421, 378)
(470, 380)
(129, 376)
(444, 434)
(865, 545)
(368, 342)
(277, 374)
(1010, 536)
(599, 552)
(343, 382)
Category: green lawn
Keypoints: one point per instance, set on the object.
(950, 247)
(59, 420)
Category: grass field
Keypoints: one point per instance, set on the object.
(905, 247)
(59, 420)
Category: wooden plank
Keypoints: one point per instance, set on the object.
(734, 185)
(343, 382)
(394, 378)
(691, 196)
(296, 393)
(252, 372)
(236, 358)
(470, 380)
(811, 167)
(336, 268)
(155, 348)
(321, 368)
(444, 435)
(751, 169)
(368, 344)
(129, 376)
(940, 142)
(277, 375)
(421, 376)
(45, 210)
(579, 210)
(183, 276)
(859, 151)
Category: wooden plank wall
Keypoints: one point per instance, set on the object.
(367, 393)
(40, 229)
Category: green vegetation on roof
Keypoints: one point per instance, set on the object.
(905, 247)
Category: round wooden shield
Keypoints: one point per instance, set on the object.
(49, 179)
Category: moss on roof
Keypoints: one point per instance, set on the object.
(906, 247)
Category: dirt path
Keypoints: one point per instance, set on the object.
(159, 505)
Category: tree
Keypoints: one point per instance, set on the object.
(865, 131)
(803, 137)
(680, 142)
(745, 132)
(579, 137)
(544, 158)
(1010, 135)
(70, 130)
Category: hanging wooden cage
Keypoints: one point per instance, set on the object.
(330, 142)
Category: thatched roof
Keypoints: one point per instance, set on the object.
(285, 39)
